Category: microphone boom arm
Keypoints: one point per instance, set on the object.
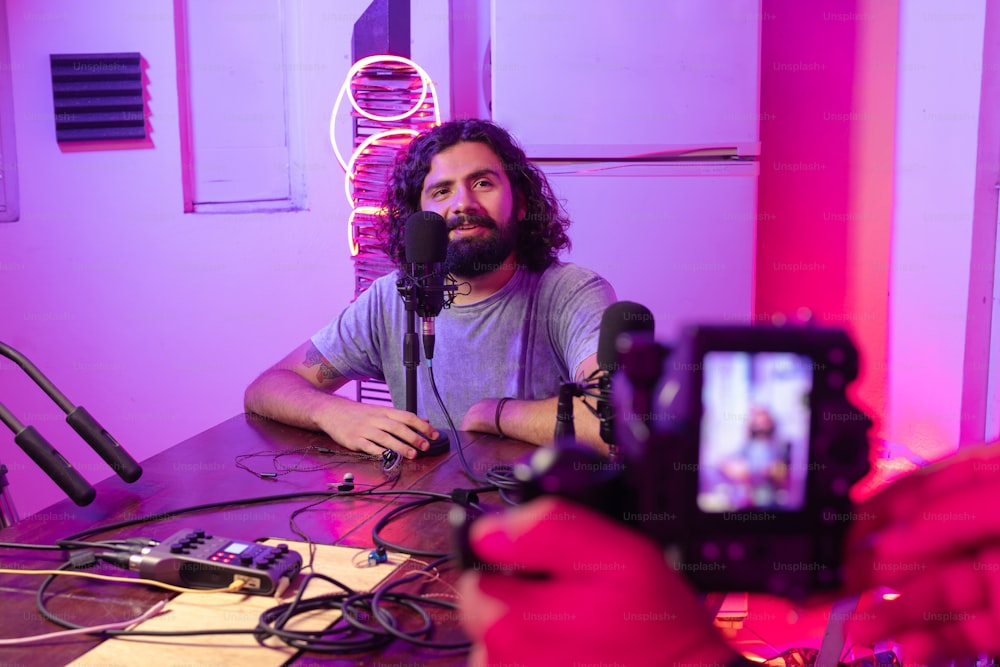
(82, 422)
(49, 460)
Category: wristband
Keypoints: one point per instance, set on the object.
(500, 405)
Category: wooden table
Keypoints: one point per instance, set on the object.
(203, 470)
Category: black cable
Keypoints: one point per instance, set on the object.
(53, 618)
(451, 425)
(499, 475)
(502, 477)
(338, 637)
(384, 521)
(350, 633)
(294, 527)
(353, 606)
(430, 496)
(407, 601)
(33, 547)
(507, 499)
(382, 592)
(131, 545)
(64, 545)
(169, 514)
(387, 622)
(273, 621)
(40, 601)
(279, 469)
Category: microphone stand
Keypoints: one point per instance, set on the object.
(411, 342)
(413, 298)
(8, 513)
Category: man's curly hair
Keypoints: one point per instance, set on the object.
(541, 234)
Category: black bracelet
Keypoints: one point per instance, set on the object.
(500, 405)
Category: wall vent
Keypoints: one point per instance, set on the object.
(98, 96)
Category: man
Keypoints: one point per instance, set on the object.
(521, 323)
(756, 476)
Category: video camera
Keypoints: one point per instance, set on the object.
(737, 451)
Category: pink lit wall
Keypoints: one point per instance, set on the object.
(938, 129)
(981, 417)
(825, 200)
(877, 203)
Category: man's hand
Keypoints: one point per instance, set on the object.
(374, 428)
(933, 536)
(562, 585)
(298, 390)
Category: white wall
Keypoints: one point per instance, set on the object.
(152, 319)
(940, 72)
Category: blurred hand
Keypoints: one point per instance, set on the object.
(933, 536)
(562, 585)
(736, 470)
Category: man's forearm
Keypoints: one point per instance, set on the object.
(534, 421)
(287, 397)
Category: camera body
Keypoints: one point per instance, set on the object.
(737, 452)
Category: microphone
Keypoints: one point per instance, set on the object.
(623, 317)
(423, 291)
(49, 460)
(426, 239)
(82, 422)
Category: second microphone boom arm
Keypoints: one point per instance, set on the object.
(82, 422)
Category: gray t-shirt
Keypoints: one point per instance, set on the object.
(523, 341)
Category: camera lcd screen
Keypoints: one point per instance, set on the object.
(754, 434)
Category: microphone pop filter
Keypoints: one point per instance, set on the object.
(426, 238)
(618, 318)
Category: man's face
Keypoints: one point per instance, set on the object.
(467, 186)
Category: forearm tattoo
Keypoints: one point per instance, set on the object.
(325, 371)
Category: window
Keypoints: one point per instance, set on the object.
(9, 210)
(239, 92)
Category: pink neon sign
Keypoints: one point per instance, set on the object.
(395, 99)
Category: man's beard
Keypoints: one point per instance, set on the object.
(481, 254)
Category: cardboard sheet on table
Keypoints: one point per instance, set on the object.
(193, 611)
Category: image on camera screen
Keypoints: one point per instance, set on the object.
(754, 433)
